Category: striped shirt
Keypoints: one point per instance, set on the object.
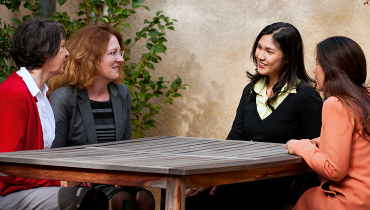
(104, 121)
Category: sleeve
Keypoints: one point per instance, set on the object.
(237, 131)
(13, 121)
(127, 133)
(337, 132)
(311, 116)
(59, 103)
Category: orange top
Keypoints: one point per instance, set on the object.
(342, 162)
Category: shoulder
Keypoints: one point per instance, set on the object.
(247, 88)
(122, 89)
(63, 93)
(14, 87)
(305, 90)
(333, 103)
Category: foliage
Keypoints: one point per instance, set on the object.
(138, 77)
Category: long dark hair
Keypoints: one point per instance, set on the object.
(289, 40)
(344, 66)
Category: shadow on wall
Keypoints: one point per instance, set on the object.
(199, 112)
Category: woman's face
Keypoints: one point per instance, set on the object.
(109, 62)
(269, 57)
(55, 65)
(319, 77)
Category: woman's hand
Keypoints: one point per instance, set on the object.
(195, 191)
(75, 184)
(290, 145)
(70, 184)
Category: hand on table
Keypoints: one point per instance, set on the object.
(75, 184)
(195, 191)
(290, 145)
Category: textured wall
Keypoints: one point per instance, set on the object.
(211, 46)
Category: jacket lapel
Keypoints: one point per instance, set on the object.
(87, 116)
(117, 111)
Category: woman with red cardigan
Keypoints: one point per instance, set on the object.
(27, 120)
(341, 154)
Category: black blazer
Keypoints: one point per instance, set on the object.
(74, 121)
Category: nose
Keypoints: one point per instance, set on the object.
(66, 53)
(120, 59)
(260, 55)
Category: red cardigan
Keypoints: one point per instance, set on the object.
(20, 129)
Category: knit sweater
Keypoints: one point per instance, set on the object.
(297, 117)
(20, 129)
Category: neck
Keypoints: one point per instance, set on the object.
(99, 91)
(40, 77)
(272, 82)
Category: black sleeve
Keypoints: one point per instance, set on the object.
(311, 116)
(237, 131)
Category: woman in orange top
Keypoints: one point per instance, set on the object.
(341, 154)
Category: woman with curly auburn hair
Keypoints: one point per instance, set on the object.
(341, 154)
(90, 103)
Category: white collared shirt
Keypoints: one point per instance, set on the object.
(261, 98)
(46, 114)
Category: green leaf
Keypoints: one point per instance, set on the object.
(127, 42)
(162, 39)
(176, 95)
(141, 96)
(61, 2)
(160, 27)
(158, 12)
(147, 8)
(127, 25)
(24, 18)
(161, 48)
(169, 100)
(94, 10)
(16, 20)
(82, 6)
(147, 21)
(154, 31)
(152, 50)
(136, 122)
(171, 28)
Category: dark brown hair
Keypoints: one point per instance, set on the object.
(289, 41)
(34, 41)
(344, 66)
(86, 46)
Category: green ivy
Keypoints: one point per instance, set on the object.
(138, 75)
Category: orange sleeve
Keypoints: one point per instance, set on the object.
(337, 129)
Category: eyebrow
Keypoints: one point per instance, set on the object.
(267, 48)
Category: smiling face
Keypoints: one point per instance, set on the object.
(269, 57)
(109, 62)
(319, 77)
(55, 65)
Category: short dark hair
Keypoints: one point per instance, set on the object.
(34, 41)
(289, 40)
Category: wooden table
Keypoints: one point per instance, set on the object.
(171, 163)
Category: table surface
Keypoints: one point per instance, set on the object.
(162, 154)
(167, 162)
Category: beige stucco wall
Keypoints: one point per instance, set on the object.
(211, 46)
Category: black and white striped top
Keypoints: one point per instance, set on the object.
(104, 121)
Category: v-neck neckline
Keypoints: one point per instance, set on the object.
(271, 116)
